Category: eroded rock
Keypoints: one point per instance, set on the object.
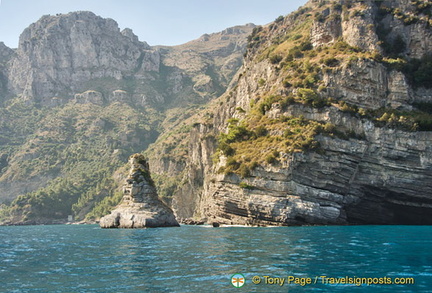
(140, 207)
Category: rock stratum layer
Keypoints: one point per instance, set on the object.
(327, 124)
(140, 206)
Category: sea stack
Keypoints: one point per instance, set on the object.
(140, 206)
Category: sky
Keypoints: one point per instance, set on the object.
(166, 22)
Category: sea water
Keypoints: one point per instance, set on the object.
(85, 258)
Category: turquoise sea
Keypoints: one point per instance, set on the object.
(85, 258)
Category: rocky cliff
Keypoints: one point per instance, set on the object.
(60, 56)
(329, 123)
(79, 96)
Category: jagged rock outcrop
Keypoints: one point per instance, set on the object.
(140, 206)
(5, 54)
(92, 97)
(58, 54)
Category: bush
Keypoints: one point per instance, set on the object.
(357, 13)
(337, 6)
(244, 185)
(306, 46)
(310, 81)
(377, 56)
(307, 95)
(289, 100)
(418, 71)
(237, 133)
(226, 149)
(244, 171)
(232, 164)
(270, 159)
(296, 53)
(275, 59)
(319, 103)
(261, 131)
(329, 128)
(395, 64)
(286, 83)
(331, 61)
(267, 103)
(279, 19)
(254, 165)
(344, 107)
(319, 17)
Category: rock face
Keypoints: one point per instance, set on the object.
(5, 55)
(57, 54)
(67, 54)
(378, 172)
(140, 207)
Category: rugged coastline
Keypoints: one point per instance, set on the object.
(322, 117)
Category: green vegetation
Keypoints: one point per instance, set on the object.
(393, 44)
(418, 71)
(279, 19)
(166, 186)
(260, 140)
(105, 206)
(422, 7)
(78, 145)
(419, 119)
(257, 139)
(254, 39)
(244, 185)
(61, 198)
(422, 12)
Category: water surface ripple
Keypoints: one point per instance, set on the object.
(202, 259)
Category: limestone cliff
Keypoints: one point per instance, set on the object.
(79, 96)
(67, 54)
(57, 54)
(329, 123)
(140, 206)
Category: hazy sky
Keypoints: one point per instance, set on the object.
(166, 22)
